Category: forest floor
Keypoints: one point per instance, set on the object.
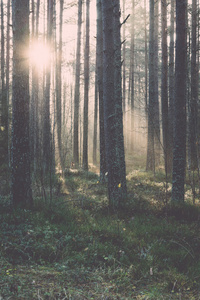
(74, 247)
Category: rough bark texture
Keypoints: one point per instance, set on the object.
(116, 185)
(179, 150)
(118, 99)
(20, 152)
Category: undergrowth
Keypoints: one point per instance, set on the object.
(76, 248)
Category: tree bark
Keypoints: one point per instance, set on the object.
(86, 87)
(116, 187)
(77, 88)
(164, 87)
(179, 149)
(103, 168)
(21, 193)
(150, 163)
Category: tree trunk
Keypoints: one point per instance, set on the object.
(156, 120)
(77, 88)
(59, 89)
(116, 185)
(86, 87)
(20, 151)
(103, 169)
(95, 115)
(171, 86)
(164, 86)
(193, 109)
(132, 77)
(118, 101)
(179, 149)
(150, 164)
(47, 137)
(4, 103)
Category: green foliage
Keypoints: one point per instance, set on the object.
(75, 247)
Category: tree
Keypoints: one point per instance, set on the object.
(59, 88)
(179, 148)
(156, 119)
(3, 95)
(193, 108)
(150, 164)
(77, 88)
(164, 87)
(103, 168)
(95, 114)
(86, 87)
(47, 137)
(21, 193)
(113, 141)
(132, 75)
(171, 86)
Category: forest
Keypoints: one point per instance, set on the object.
(99, 149)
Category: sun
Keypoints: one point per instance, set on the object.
(40, 55)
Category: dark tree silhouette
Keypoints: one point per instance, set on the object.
(179, 149)
(20, 152)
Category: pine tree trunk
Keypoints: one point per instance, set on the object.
(4, 103)
(86, 87)
(193, 109)
(171, 86)
(150, 163)
(116, 183)
(20, 151)
(77, 88)
(179, 149)
(132, 77)
(156, 120)
(164, 86)
(103, 168)
(95, 115)
(59, 89)
(47, 136)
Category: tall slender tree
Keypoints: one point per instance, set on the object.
(59, 88)
(116, 183)
(132, 75)
(193, 107)
(95, 115)
(179, 149)
(171, 84)
(86, 87)
(156, 106)
(150, 164)
(164, 86)
(20, 152)
(4, 103)
(47, 136)
(103, 168)
(77, 88)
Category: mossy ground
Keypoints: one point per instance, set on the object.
(76, 248)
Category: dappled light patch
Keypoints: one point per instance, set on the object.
(76, 247)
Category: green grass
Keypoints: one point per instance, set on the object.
(76, 248)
